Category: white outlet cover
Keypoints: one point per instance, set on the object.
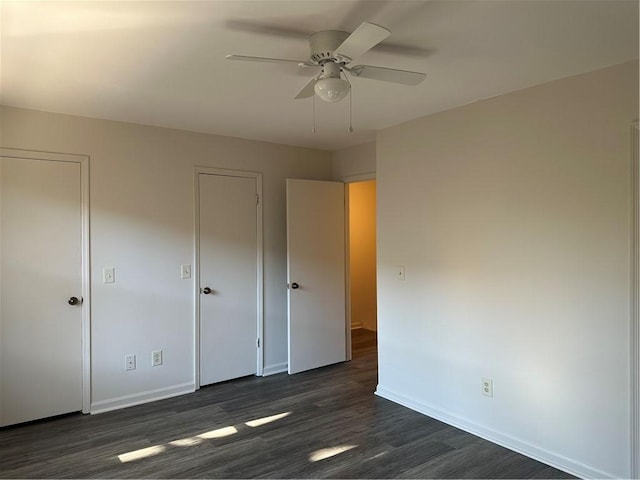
(487, 387)
(156, 358)
(130, 362)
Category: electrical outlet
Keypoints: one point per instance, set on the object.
(156, 358)
(130, 362)
(487, 387)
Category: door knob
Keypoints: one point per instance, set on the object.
(74, 301)
(295, 286)
(206, 290)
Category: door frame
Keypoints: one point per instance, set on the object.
(635, 300)
(363, 177)
(83, 161)
(200, 170)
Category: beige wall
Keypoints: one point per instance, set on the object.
(142, 223)
(354, 161)
(512, 218)
(362, 254)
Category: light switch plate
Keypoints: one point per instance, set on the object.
(109, 275)
(185, 271)
(400, 272)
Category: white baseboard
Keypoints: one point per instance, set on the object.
(142, 397)
(356, 325)
(558, 461)
(273, 369)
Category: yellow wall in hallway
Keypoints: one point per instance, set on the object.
(362, 247)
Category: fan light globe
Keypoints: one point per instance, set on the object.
(331, 89)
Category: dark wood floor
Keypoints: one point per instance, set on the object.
(323, 423)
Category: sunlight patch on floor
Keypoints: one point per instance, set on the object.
(329, 452)
(378, 455)
(219, 433)
(197, 439)
(142, 453)
(264, 420)
(186, 442)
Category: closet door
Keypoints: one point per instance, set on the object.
(40, 289)
(228, 271)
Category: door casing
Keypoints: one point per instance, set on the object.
(260, 267)
(83, 160)
(634, 326)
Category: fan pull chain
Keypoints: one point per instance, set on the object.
(350, 96)
(313, 130)
(350, 123)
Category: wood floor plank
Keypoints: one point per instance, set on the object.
(325, 423)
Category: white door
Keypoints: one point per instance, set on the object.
(315, 274)
(229, 255)
(40, 270)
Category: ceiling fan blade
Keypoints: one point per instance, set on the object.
(245, 58)
(392, 75)
(307, 91)
(363, 38)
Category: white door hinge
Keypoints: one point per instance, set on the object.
(257, 199)
(257, 343)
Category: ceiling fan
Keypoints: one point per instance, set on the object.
(333, 51)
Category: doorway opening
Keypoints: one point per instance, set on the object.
(362, 291)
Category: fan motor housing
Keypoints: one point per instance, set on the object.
(323, 46)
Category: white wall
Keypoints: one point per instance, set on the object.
(358, 160)
(142, 223)
(511, 216)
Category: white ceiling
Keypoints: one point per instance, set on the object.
(162, 63)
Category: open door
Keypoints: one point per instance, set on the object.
(315, 274)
